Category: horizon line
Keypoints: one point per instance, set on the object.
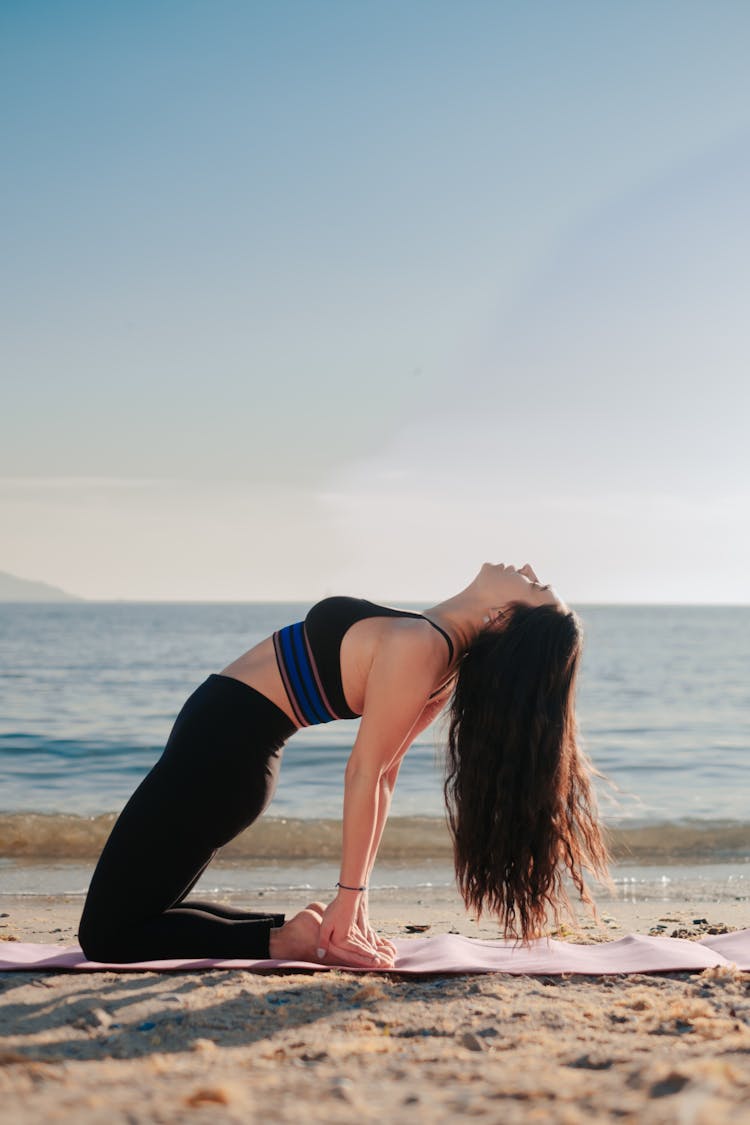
(76, 599)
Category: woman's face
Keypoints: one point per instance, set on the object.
(507, 584)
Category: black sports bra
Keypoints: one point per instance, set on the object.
(308, 654)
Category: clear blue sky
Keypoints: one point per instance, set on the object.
(351, 296)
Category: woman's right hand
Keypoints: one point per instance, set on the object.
(385, 947)
(341, 939)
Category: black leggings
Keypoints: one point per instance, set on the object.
(215, 777)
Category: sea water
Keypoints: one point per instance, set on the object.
(88, 693)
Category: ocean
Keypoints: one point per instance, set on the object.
(88, 693)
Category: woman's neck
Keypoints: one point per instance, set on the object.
(495, 587)
(463, 616)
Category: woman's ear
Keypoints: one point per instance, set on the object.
(496, 618)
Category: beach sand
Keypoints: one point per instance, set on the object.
(335, 1047)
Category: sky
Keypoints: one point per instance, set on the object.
(337, 296)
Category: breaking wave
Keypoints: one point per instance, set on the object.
(57, 836)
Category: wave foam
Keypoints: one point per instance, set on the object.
(69, 837)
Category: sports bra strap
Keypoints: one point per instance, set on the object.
(448, 640)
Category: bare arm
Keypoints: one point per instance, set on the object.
(387, 786)
(396, 696)
(431, 710)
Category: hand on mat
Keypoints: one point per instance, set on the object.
(343, 943)
(383, 945)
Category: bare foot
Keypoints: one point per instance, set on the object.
(297, 939)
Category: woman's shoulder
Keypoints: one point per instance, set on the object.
(337, 601)
(340, 610)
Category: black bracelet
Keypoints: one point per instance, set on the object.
(343, 887)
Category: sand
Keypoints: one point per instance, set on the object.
(296, 1047)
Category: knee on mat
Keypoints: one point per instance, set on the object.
(98, 938)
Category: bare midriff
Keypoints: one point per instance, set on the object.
(258, 669)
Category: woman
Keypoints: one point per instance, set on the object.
(518, 788)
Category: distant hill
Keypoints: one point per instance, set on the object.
(13, 589)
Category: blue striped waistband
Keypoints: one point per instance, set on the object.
(300, 675)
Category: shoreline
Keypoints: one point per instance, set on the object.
(706, 880)
(431, 908)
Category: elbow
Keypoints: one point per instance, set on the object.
(363, 774)
(388, 781)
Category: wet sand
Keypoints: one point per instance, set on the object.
(291, 1047)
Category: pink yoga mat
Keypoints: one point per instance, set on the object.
(448, 953)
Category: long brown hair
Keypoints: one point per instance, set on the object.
(521, 808)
